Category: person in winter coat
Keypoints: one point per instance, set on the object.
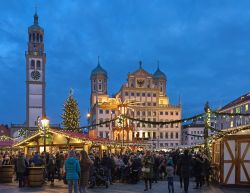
(185, 165)
(37, 160)
(198, 162)
(108, 163)
(51, 168)
(72, 169)
(170, 177)
(59, 164)
(21, 166)
(148, 170)
(85, 164)
(178, 170)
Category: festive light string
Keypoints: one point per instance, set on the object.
(6, 138)
(164, 122)
(194, 135)
(231, 114)
(23, 131)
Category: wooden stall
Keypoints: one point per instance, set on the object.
(231, 159)
(60, 140)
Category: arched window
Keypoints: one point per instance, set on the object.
(37, 37)
(33, 36)
(32, 64)
(41, 38)
(38, 64)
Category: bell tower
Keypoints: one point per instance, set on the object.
(98, 80)
(35, 74)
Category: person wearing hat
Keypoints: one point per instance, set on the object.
(72, 169)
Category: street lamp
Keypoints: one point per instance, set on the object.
(45, 124)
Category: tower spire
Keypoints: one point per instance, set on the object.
(158, 64)
(140, 64)
(35, 16)
(98, 61)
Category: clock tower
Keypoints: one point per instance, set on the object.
(35, 74)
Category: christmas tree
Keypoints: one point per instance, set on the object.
(71, 114)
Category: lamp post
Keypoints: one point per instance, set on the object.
(45, 124)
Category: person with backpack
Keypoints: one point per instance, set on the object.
(72, 169)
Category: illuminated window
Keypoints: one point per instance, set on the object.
(246, 108)
(231, 124)
(237, 110)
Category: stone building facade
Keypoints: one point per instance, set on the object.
(239, 105)
(149, 92)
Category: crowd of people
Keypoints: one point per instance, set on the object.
(80, 170)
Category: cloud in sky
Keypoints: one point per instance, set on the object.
(203, 47)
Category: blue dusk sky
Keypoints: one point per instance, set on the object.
(203, 47)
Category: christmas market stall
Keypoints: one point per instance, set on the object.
(231, 157)
(63, 140)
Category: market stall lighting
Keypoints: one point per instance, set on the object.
(45, 122)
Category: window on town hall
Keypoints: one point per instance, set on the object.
(149, 135)
(143, 135)
(161, 113)
(166, 135)
(107, 124)
(166, 144)
(176, 113)
(143, 113)
(171, 135)
(138, 113)
(149, 95)
(166, 113)
(101, 134)
(176, 135)
(246, 108)
(149, 104)
(161, 135)
(154, 135)
(143, 94)
(100, 121)
(107, 134)
(132, 94)
(100, 111)
(154, 94)
(149, 113)
(171, 113)
(138, 94)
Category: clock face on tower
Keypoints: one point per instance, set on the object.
(35, 75)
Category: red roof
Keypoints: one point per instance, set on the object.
(237, 101)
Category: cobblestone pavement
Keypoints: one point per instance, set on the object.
(160, 187)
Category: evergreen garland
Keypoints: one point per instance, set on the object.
(71, 115)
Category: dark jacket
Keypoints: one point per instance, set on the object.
(21, 165)
(51, 165)
(107, 162)
(185, 166)
(84, 176)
